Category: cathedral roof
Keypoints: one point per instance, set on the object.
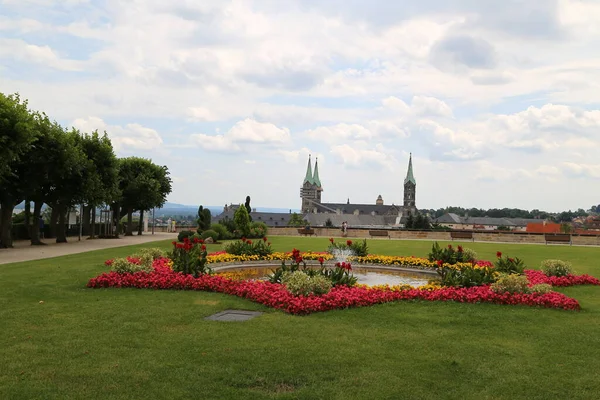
(309, 175)
(316, 179)
(409, 174)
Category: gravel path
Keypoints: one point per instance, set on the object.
(23, 251)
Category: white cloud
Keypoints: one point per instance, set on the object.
(359, 155)
(591, 171)
(126, 138)
(425, 106)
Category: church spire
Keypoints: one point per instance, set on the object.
(316, 179)
(309, 175)
(409, 174)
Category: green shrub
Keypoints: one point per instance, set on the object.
(221, 231)
(210, 234)
(123, 266)
(189, 258)
(448, 255)
(541, 288)
(184, 234)
(508, 265)
(359, 249)
(512, 283)
(258, 230)
(152, 252)
(300, 284)
(557, 267)
(469, 255)
(466, 276)
(246, 247)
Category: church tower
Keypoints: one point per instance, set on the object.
(410, 186)
(311, 189)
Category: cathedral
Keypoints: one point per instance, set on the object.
(377, 214)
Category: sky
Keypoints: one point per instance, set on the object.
(498, 101)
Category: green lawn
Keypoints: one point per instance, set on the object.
(130, 344)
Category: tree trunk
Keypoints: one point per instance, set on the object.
(53, 221)
(6, 224)
(93, 223)
(140, 224)
(61, 231)
(129, 231)
(117, 219)
(27, 221)
(35, 227)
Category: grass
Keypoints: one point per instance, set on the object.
(130, 344)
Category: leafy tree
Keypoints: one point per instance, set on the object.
(410, 222)
(17, 135)
(204, 219)
(297, 220)
(242, 220)
(329, 223)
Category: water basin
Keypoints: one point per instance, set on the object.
(366, 275)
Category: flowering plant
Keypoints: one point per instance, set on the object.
(359, 249)
(509, 265)
(189, 257)
(259, 247)
(448, 255)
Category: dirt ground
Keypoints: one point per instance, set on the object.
(23, 251)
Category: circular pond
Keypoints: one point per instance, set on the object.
(366, 275)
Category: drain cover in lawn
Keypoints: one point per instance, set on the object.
(234, 315)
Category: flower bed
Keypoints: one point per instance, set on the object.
(536, 277)
(277, 296)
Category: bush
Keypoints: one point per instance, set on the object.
(245, 247)
(556, 268)
(221, 231)
(210, 234)
(189, 258)
(508, 265)
(469, 255)
(184, 234)
(126, 266)
(258, 230)
(298, 283)
(467, 275)
(359, 249)
(152, 252)
(512, 283)
(541, 288)
(448, 255)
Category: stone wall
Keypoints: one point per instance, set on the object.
(484, 236)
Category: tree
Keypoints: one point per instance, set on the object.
(17, 135)
(410, 221)
(242, 220)
(329, 223)
(204, 219)
(248, 208)
(297, 220)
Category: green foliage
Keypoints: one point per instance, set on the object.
(123, 266)
(359, 249)
(339, 276)
(242, 220)
(469, 255)
(328, 223)
(299, 283)
(221, 231)
(297, 220)
(557, 268)
(448, 255)
(249, 247)
(209, 233)
(258, 230)
(465, 276)
(204, 219)
(419, 221)
(248, 208)
(541, 288)
(189, 258)
(229, 224)
(509, 265)
(151, 252)
(184, 234)
(511, 283)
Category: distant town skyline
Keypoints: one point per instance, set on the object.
(497, 101)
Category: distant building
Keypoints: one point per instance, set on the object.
(455, 221)
(378, 214)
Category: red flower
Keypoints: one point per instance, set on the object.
(321, 260)
(440, 262)
(174, 243)
(269, 243)
(460, 249)
(498, 254)
(349, 242)
(243, 239)
(511, 259)
(331, 240)
(450, 246)
(264, 239)
(203, 247)
(108, 262)
(249, 241)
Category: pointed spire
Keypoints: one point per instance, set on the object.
(316, 179)
(409, 174)
(309, 176)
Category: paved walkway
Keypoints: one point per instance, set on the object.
(23, 251)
